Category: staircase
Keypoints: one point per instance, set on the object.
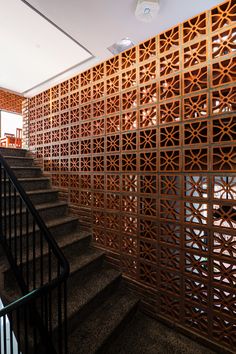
(102, 314)
(99, 304)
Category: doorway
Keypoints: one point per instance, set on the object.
(11, 129)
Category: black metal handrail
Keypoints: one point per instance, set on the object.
(38, 317)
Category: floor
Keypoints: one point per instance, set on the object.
(144, 335)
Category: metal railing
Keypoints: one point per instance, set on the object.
(34, 318)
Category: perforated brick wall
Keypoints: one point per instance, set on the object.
(10, 102)
(146, 141)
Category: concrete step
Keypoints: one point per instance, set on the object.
(98, 304)
(13, 152)
(26, 238)
(74, 246)
(27, 172)
(57, 226)
(31, 184)
(88, 292)
(36, 196)
(47, 211)
(19, 161)
(97, 330)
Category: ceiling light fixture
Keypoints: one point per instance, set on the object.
(121, 46)
(146, 10)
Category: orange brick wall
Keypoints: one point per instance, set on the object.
(146, 142)
(10, 102)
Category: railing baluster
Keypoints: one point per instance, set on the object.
(65, 318)
(49, 293)
(59, 310)
(41, 307)
(46, 311)
(32, 317)
(11, 332)
(18, 330)
(27, 248)
(5, 205)
(26, 329)
(41, 259)
(21, 235)
(49, 264)
(35, 338)
(4, 335)
(50, 311)
(34, 254)
(15, 226)
(9, 214)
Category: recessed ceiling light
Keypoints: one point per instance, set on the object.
(121, 46)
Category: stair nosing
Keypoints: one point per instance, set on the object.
(41, 191)
(34, 178)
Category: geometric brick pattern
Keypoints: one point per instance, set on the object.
(146, 140)
(11, 102)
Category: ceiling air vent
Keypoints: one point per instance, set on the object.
(121, 46)
(146, 10)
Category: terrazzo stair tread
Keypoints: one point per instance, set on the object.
(83, 258)
(19, 161)
(46, 211)
(89, 292)
(39, 196)
(42, 191)
(35, 183)
(13, 152)
(18, 158)
(93, 334)
(86, 295)
(54, 224)
(81, 236)
(55, 227)
(40, 207)
(32, 171)
(19, 168)
(75, 264)
(32, 179)
(144, 334)
(80, 260)
(64, 240)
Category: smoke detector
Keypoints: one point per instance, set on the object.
(146, 10)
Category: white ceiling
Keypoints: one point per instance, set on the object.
(31, 48)
(96, 24)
